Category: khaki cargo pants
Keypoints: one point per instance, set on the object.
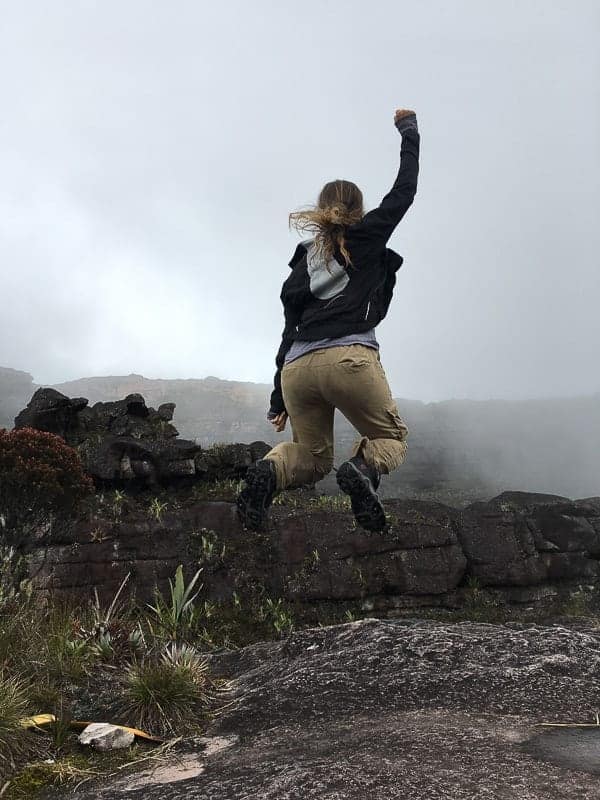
(351, 379)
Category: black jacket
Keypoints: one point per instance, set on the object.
(325, 301)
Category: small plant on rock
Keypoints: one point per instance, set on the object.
(157, 509)
(276, 612)
(479, 605)
(334, 502)
(225, 489)
(66, 654)
(177, 614)
(107, 631)
(118, 501)
(287, 498)
(578, 604)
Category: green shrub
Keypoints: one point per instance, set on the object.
(41, 480)
(41, 485)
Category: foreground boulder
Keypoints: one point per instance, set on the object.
(396, 710)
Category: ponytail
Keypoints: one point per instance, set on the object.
(340, 205)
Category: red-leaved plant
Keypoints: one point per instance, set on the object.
(41, 481)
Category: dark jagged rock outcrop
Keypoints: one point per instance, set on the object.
(125, 442)
(49, 410)
(521, 548)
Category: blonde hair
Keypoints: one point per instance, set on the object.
(340, 204)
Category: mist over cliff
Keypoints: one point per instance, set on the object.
(460, 448)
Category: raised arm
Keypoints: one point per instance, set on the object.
(379, 224)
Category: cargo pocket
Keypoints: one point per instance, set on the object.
(401, 431)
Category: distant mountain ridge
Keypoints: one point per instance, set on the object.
(458, 449)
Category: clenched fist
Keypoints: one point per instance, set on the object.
(405, 119)
(402, 112)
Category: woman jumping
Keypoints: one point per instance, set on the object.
(339, 289)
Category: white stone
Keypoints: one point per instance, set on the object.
(104, 736)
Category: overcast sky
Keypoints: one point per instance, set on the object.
(150, 154)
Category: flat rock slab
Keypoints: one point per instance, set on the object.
(413, 710)
(433, 755)
(575, 748)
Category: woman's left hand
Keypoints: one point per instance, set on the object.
(279, 421)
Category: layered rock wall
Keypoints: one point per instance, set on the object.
(524, 547)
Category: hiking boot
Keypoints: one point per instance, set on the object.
(255, 498)
(360, 480)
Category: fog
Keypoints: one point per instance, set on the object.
(150, 154)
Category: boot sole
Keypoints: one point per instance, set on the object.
(255, 498)
(366, 505)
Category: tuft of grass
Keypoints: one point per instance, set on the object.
(208, 544)
(479, 605)
(168, 695)
(288, 498)
(13, 706)
(62, 652)
(295, 498)
(331, 502)
(226, 489)
(277, 613)
(578, 604)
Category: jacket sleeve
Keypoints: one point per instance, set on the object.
(292, 317)
(379, 224)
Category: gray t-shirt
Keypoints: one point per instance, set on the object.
(300, 348)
